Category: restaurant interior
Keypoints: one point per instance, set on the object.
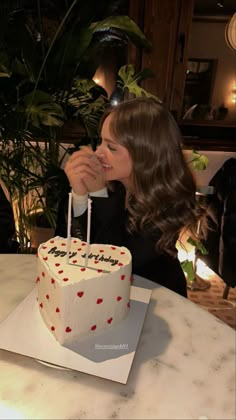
(192, 69)
(184, 53)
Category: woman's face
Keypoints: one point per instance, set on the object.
(115, 158)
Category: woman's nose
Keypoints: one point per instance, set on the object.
(99, 150)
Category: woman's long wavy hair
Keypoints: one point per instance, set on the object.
(162, 194)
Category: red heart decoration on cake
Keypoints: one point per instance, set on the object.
(68, 330)
(79, 249)
(44, 247)
(41, 305)
(53, 266)
(52, 241)
(99, 301)
(75, 241)
(37, 280)
(128, 304)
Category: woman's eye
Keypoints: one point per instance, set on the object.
(111, 148)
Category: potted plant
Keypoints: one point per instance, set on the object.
(24, 170)
(193, 248)
(47, 59)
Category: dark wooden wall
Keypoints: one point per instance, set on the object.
(166, 24)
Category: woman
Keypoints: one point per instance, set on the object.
(153, 198)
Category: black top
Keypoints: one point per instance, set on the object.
(109, 226)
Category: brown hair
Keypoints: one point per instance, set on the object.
(163, 191)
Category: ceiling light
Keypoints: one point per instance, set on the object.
(230, 32)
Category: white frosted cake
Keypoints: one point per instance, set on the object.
(75, 301)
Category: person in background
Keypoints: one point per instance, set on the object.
(7, 224)
(143, 192)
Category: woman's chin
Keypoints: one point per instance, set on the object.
(108, 176)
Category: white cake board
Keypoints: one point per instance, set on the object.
(108, 355)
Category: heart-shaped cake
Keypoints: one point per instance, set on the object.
(82, 290)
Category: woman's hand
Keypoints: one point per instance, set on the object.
(85, 172)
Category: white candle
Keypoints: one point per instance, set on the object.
(198, 226)
(88, 230)
(68, 227)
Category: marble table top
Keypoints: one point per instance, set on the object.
(184, 367)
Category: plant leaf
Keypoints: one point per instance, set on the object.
(199, 162)
(126, 25)
(20, 37)
(187, 267)
(42, 109)
(129, 80)
(5, 70)
(198, 245)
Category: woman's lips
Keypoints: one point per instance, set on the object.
(106, 166)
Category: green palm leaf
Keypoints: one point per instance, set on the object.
(129, 80)
(42, 110)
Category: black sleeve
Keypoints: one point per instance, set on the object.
(108, 226)
(107, 220)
